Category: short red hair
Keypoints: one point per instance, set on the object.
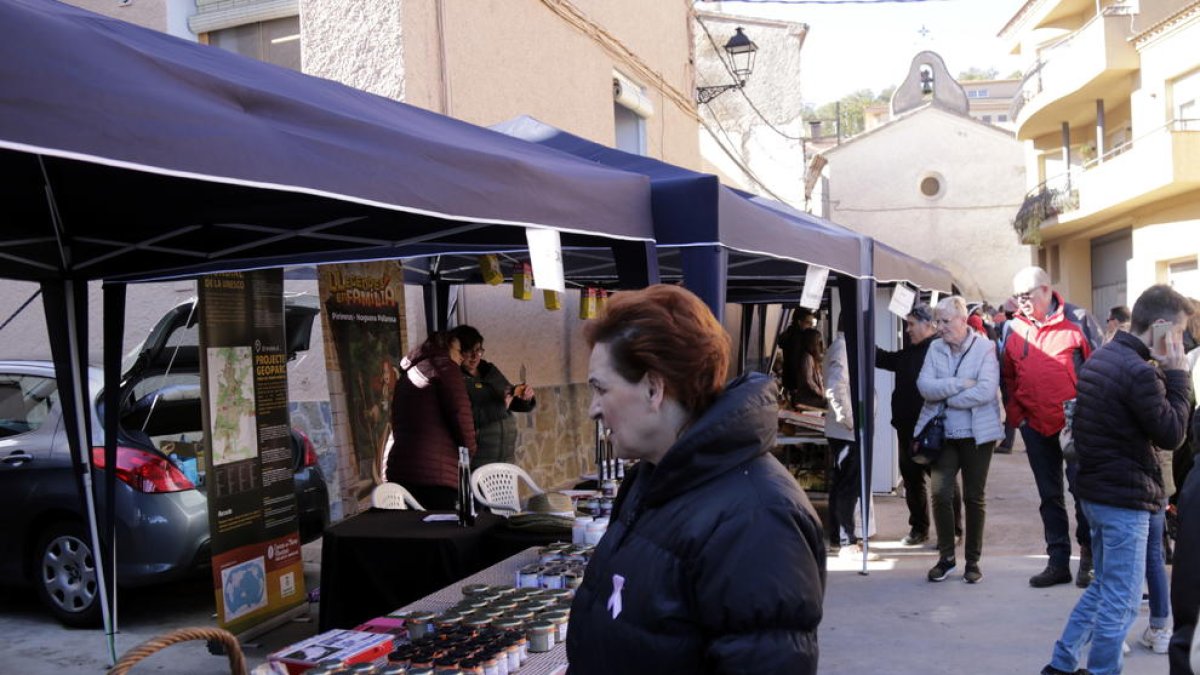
(668, 331)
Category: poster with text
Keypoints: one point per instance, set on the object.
(363, 312)
(256, 564)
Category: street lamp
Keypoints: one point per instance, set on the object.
(741, 51)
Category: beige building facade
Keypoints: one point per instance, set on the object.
(1108, 112)
(934, 183)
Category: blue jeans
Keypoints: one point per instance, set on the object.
(1156, 571)
(1046, 462)
(1106, 610)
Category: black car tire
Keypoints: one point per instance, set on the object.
(64, 575)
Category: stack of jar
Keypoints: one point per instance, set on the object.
(491, 631)
(559, 566)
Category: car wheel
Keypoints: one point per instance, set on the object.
(65, 575)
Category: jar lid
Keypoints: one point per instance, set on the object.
(421, 616)
(475, 589)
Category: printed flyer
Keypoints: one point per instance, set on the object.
(257, 568)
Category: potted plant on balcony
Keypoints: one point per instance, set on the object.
(1087, 152)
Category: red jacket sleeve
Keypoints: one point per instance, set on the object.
(455, 404)
(1013, 413)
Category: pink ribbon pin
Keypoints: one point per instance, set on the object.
(614, 600)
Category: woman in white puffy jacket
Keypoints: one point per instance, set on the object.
(960, 381)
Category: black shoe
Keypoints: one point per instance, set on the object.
(972, 575)
(1051, 576)
(1004, 449)
(1085, 576)
(913, 538)
(941, 570)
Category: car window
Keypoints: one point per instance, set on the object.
(25, 402)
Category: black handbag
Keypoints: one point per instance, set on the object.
(927, 446)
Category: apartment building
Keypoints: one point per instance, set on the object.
(1109, 112)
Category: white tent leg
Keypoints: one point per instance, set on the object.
(82, 405)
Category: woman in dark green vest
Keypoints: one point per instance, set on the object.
(493, 400)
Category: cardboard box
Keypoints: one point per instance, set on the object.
(347, 646)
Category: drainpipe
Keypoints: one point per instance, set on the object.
(444, 73)
(1066, 151)
(1100, 129)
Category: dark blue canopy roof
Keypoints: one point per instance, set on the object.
(128, 153)
(694, 209)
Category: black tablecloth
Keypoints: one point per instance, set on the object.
(379, 561)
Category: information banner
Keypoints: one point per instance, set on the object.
(363, 313)
(258, 572)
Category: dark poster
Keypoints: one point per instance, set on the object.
(364, 311)
(257, 567)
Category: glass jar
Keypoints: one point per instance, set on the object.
(541, 636)
(527, 576)
(559, 619)
(419, 624)
(445, 623)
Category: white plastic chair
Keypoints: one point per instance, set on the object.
(496, 487)
(393, 496)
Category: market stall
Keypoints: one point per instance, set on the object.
(729, 245)
(133, 155)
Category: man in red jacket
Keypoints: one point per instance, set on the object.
(1048, 341)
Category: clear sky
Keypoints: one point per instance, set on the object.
(870, 46)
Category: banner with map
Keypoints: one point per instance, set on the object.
(363, 315)
(256, 563)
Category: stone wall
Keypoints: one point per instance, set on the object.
(556, 442)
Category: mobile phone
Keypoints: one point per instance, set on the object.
(1160, 334)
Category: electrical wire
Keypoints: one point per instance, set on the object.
(738, 160)
(825, 2)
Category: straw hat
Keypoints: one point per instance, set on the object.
(554, 503)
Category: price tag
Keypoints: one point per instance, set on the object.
(814, 286)
(545, 253)
(902, 300)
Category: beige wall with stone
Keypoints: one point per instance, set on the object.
(360, 44)
(486, 61)
(874, 188)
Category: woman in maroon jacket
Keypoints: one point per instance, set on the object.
(431, 419)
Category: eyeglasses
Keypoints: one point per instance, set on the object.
(1026, 296)
(478, 351)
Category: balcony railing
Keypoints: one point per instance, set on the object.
(1059, 194)
(1044, 202)
(1057, 65)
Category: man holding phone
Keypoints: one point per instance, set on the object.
(1045, 348)
(1132, 396)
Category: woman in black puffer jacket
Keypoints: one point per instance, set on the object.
(493, 400)
(714, 561)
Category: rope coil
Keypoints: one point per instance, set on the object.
(237, 661)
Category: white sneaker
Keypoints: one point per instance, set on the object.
(1157, 639)
(855, 552)
(1125, 647)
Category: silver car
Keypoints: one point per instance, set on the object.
(161, 510)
